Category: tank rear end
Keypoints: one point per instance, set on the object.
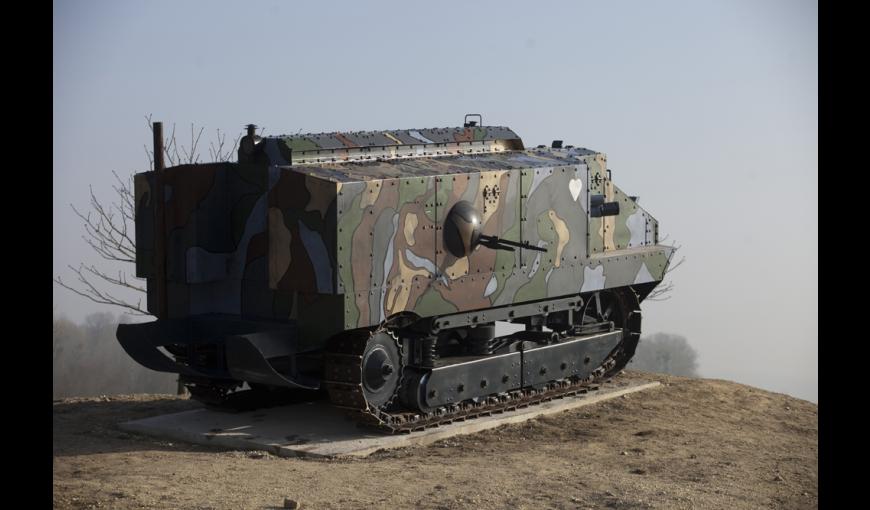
(234, 265)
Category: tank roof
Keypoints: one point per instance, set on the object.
(372, 155)
(443, 165)
(319, 148)
(394, 137)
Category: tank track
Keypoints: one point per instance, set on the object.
(343, 360)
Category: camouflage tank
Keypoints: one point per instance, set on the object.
(374, 266)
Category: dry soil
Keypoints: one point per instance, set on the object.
(691, 443)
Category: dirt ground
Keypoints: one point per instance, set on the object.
(692, 443)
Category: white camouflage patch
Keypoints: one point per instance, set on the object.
(537, 263)
(636, 224)
(491, 286)
(593, 279)
(540, 175)
(643, 275)
(420, 262)
(575, 186)
(388, 260)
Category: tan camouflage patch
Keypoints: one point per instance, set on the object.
(322, 192)
(393, 138)
(601, 159)
(410, 226)
(400, 287)
(489, 181)
(609, 222)
(458, 269)
(563, 233)
(371, 194)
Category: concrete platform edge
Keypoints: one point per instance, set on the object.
(421, 438)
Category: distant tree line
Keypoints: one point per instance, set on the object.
(89, 361)
(666, 353)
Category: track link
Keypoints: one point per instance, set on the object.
(343, 383)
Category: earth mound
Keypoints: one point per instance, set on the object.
(691, 443)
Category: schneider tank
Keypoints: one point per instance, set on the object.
(374, 266)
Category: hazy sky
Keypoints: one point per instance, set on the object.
(707, 110)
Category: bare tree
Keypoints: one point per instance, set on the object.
(109, 232)
(109, 226)
(190, 156)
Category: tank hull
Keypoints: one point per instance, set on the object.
(267, 271)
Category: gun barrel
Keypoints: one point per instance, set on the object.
(497, 241)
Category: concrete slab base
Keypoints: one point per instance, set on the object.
(318, 429)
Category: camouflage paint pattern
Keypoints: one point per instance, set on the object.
(341, 245)
(542, 198)
(218, 221)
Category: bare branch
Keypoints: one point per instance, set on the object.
(125, 190)
(192, 157)
(105, 227)
(216, 153)
(174, 159)
(91, 292)
(107, 234)
(234, 148)
(150, 155)
(120, 281)
(195, 143)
